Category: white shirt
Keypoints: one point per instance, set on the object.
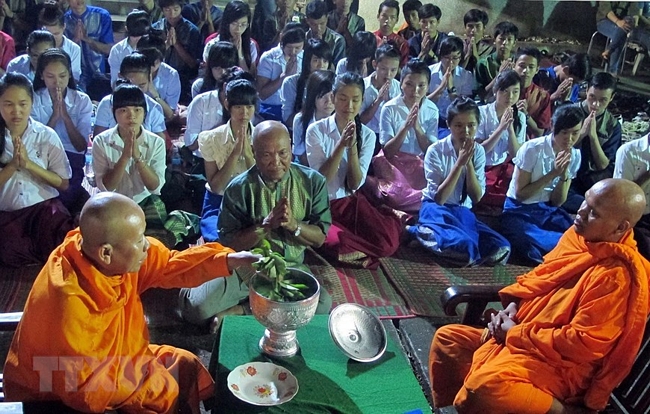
(341, 67)
(288, 92)
(79, 108)
(393, 117)
(322, 137)
(107, 149)
(44, 148)
(463, 82)
(299, 147)
(438, 163)
(489, 123)
(272, 64)
(371, 93)
(168, 84)
(21, 64)
(118, 52)
(538, 158)
(632, 161)
(154, 121)
(204, 113)
(208, 46)
(74, 51)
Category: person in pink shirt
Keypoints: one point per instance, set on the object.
(7, 51)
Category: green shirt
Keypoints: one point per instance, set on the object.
(248, 200)
(487, 68)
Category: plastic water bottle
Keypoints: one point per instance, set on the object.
(176, 158)
(88, 168)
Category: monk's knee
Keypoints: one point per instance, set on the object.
(501, 396)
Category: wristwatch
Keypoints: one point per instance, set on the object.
(298, 230)
(452, 89)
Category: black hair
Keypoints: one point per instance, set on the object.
(152, 54)
(460, 105)
(429, 10)
(135, 62)
(241, 92)
(319, 84)
(154, 40)
(409, 6)
(128, 94)
(503, 81)
(293, 35)
(223, 55)
(230, 75)
(452, 44)
(579, 66)
(316, 9)
(167, 3)
(417, 67)
(51, 15)
(603, 81)
(530, 51)
(50, 56)
(351, 79)
(390, 4)
(40, 36)
(137, 23)
(387, 50)
(506, 29)
(364, 45)
(7, 81)
(566, 117)
(313, 47)
(234, 11)
(475, 16)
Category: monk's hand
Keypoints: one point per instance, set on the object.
(511, 311)
(500, 325)
(241, 259)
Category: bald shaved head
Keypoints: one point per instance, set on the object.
(611, 207)
(112, 232)
(272, 150)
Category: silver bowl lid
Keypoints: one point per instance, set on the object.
(357, 332)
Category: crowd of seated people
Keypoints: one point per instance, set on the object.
(417, 133)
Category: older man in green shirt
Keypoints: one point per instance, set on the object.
(277, 200)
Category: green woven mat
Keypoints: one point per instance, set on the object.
(370, 288)
(421, 280)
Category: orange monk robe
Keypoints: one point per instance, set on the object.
(580, 320)
(83, 338)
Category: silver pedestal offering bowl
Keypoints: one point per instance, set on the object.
(282, 319)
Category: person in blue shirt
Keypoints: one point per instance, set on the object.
(38, 42)
(204, 15)
(91, 28)
(563, 81)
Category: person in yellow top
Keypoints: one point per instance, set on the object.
(83, 338)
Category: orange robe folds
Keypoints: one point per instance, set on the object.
(83, 338)
(580, 323)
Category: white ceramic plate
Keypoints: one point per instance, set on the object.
(262, 383)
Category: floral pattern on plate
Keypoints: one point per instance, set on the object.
(262, 383)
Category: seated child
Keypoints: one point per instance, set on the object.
(488, 67)
(277, 64)
(501, 132)
(360, 54)
(222, 56)
(51, 18)
(130, 160)
(227, 151)
(454, 168)
(235, 28)
(319, 104)
(409, 124)
(137, 25)
(533, 220)
(599, 140)
(411, 25)
(476, 47)
(38, 42)
(425, 45)
(344, 21)
(534, 101)
(61, 106)
(136, 69)
(388, 15)
(340, 147)
(563, 81)
(33, 169)
(448, 79)
(316, 12)
(381, 86)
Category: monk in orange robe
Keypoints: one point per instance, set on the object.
(83, 338)
(571, 328)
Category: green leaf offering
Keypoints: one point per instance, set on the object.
(273, 267)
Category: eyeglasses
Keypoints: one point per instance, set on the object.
(235, 25)
(452, 58)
